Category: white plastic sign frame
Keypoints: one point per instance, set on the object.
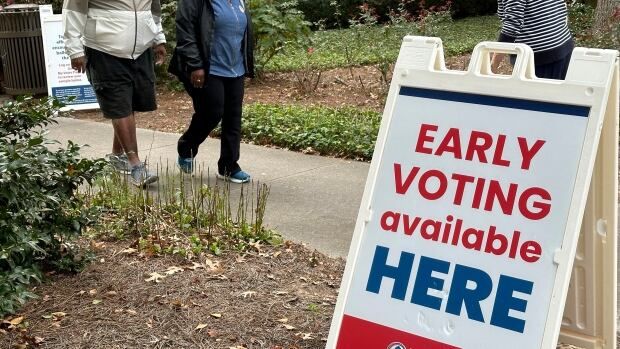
(62, 81)
(591, 307)
(421, 67)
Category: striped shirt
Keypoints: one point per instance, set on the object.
(541, 24)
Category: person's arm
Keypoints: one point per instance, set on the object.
(156, 12)
(74, 14)
(511, 13)
(512, 16)
(159, 47)
(188, 23)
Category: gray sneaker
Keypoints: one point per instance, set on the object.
(119, 162)
(141, 177)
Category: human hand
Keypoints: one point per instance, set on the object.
(496, 60)
(79, 64)
(160, 53)
(198, 78)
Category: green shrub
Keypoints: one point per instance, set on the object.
(345, 132)
(371, 45)
(276, 25)
(322, 11)
(581, 20)
(39, 209)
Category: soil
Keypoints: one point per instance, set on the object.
(276, 298)
(358, 86)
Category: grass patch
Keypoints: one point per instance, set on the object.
(370, 45)
(344, 132)
(185, 216)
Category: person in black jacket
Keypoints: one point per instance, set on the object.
(542, 25)
(213, 56)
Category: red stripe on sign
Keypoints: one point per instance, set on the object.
(361, 334)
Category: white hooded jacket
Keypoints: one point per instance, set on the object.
(121, 28)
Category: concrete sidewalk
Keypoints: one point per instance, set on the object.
(313, 199)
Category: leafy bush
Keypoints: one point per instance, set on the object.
(345, 132)
(371, 45)
(322, 11)
(581, 20)
(276, 26)
(39, 209)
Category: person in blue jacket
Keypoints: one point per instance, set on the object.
(214, 54)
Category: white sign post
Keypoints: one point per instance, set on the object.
(470, 219)
(63, 82)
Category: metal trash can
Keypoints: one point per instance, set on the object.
(21, 50)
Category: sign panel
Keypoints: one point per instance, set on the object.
(467, 230)
(63, 82)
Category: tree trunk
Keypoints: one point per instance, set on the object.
(603, 15)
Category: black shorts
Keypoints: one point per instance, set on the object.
(122, 85)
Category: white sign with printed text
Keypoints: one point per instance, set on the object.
(468, 225)
(64, 83)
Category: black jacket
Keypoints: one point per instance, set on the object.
(194, 22)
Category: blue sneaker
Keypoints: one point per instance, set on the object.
(186, 164)
(237, 177)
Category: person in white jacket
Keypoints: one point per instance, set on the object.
(116, 43)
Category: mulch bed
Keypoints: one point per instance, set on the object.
(276, 298)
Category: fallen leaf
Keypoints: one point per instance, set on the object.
(46, 298)
(129, 251)
(216, 315)
(111, 293)
(256, 245)
(16, 321)
(275, 255)
(173, 270)
(303, 279)
(59, 314)
(39, 340)
(92, 292)
(118, 311)
(131, 312)
(270, 276)
(200, 327)
(212, 265)
(212, 333)
(155, 277)
(46, 316)
(282, 320)
(289, 327)
(247, 294)
(304, 336)
(81, 293)
(97, 246)
(97, 301)
(195, 266)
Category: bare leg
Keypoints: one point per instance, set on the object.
(117, 148)
(125, 130)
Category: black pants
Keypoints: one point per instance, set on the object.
(221, 99)
(555, 70)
